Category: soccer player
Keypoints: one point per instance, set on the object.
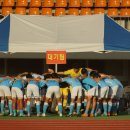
(91, 87)
(112, 93)
(52, 82)
(103, 97)
(76, 92)
(17, 93)
(5, 85)
(33, 88)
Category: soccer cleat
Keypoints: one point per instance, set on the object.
(14, 114)
(69, 115)
(60, 115)
(22, 115)
(11, 114)
(104, 114)
(29, 115)
(38, 115)
(43, 114)
(91, 115)
(84, 115)
(108, 114)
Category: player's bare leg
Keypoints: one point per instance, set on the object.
(94, 102)
(88, 106)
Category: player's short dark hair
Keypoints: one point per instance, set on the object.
(47, 76)
(55, 75)
(84, 71)
(29, 76)
(95, 74)
(76, 66)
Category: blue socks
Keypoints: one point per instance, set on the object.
(45, 107)
(60, 107)
(28, 107)
(105, 108)
(38, 107)
(71, 108)
(109, 106)
(2, 106)
(78, 108)
(10, 106)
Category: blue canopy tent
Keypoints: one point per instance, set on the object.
(36, 34)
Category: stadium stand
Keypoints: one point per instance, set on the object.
(35, 3)
(60, 11)
(100, 3)
(112, 12)
(73, 11)
(87, 3)
(61, 3)
(8, 3)
(125, 3)
(85, 11)
(125, 12)
(22, 3)
(34, 11)
(6, 10)
(48, 3)
(99, 10)
(20, 10)
(113, 3)
(74, 3)
(46, 11)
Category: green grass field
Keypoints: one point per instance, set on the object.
(56, 117)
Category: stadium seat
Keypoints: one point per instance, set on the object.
(125, 12)
(87, 3)
(48, 3)
(125, 3)
(20, 10)
(112, 12)
(34, 11)
(6, 11)
(60, 11)
(0, 2)
(61, 3)
(73, 11)
(100, 3)
(99, 11)
(113, 3)
(46, 11)
(8, 3)
(85, 11)
(22, 3)
(35, 3)
(74, 3)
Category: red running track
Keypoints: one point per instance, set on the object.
(64, 124)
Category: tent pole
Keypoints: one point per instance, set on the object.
(56, 68)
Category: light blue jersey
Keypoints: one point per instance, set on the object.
(118, 83)
(110, 82)
(52, 83)
(72, 81)
(6, 82)
(102, 84)
(40, 84)
(89, 83)
(19, 84)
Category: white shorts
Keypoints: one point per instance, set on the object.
(17, 92)
(32, 89)
(103, 92)
(93, 92)
(76, 91)
(5, 91)
(113, 91)
(53, 90)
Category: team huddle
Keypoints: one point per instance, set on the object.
(86, 91)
